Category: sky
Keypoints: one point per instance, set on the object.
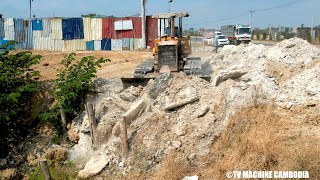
(204, 13)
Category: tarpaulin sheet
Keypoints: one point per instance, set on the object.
(72, 28)
(37, 25)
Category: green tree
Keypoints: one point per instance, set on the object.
(264, 36)
(258, 35)
(309, 38)
(73, 83)
(278, 36)
(17, 82)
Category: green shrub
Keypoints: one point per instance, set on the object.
(17, 83)
(73, 83)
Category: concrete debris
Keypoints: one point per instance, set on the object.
(94, 166)
(203, 111)
(130, 115)
(176, 144)
(175, 105)
(286, 76)
(191, 178)
(154, 88)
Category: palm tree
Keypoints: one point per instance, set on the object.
(143, 17)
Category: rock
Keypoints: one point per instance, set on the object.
(154, 88)
(192, 156)
(130, 94)
(203, 111)
(73, 136)
(94, 166)
(9, 174)
(101, 85)
(121, 164)
(191, 178)
(228, 74)
(176, 144)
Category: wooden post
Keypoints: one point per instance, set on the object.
(92, 121)
(45, 169)
(124, 140)
(63, 120)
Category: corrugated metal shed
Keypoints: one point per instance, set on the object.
(74, 45)
(116, 45)
(46, 23)
(107, 28)
(127, 44)
(136, 32)
(1, 28)
(56, 45)
(19, 29)
(97, 45)
(72, 28)
(9, 29)
(56, 29)
(152, 30)
(26, 36)
(87, 29)
(106, 44)
(90, 45)
(137, 44)
(96, 29)
(37, 25)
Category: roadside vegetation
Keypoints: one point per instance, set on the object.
(19, 90)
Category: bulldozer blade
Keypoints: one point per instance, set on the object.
(127, 82)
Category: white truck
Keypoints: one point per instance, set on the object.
(237, 34)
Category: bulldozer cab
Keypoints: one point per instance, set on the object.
(171, 47)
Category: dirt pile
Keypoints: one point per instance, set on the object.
(186, 115)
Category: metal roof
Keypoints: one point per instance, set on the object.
(170, 15)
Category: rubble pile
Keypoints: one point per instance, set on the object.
(186, 114)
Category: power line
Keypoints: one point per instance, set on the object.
(253, 11)
(280, 6)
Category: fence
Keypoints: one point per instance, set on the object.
(77, 34)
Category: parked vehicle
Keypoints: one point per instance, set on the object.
(217, 33)
(237, 34)
(222, 40)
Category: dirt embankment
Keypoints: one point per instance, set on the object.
(122, 62)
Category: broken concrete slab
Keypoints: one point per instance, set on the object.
(230, 74)
(181, 103)
(154, 88)
(94, 166)
(130, 115)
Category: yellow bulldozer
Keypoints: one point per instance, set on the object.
(171, 51)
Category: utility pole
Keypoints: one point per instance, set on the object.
(143, 19)
(251, 12)
(170, 1)
(30, 9)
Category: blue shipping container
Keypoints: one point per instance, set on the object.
(1, 28)
(90, 46)
(37, 25)
(72, 28)
(106, 45)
